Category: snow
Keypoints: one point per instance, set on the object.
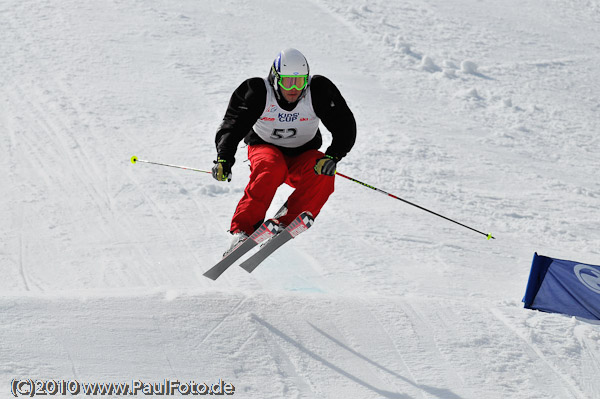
(485, 112)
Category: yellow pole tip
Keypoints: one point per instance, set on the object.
(134, 159)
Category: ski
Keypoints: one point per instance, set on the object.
(302, 223)
(262, 234)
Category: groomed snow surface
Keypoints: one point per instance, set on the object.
(484, 111)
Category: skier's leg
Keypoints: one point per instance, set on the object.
(311, 190)
(268, 170)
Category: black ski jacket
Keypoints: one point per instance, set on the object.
(248, 102)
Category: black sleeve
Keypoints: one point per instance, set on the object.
(331, 108)
(245, 107)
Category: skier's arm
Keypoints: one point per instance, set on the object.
(245, 107)
(331, 108)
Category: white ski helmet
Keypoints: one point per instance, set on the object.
(289, 70)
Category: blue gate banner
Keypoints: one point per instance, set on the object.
(563, 286)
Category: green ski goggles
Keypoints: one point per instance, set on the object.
(289, 82)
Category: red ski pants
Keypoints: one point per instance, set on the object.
(269, 169)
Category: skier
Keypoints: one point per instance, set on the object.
(278, 117)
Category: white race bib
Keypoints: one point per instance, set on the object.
(288, 129)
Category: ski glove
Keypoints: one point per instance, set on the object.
(326, 165)
(222, 169)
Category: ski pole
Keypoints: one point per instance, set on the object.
(489, 235)
(135, 159)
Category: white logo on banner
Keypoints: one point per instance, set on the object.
(589, 276)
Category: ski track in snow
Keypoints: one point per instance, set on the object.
(484, 112)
